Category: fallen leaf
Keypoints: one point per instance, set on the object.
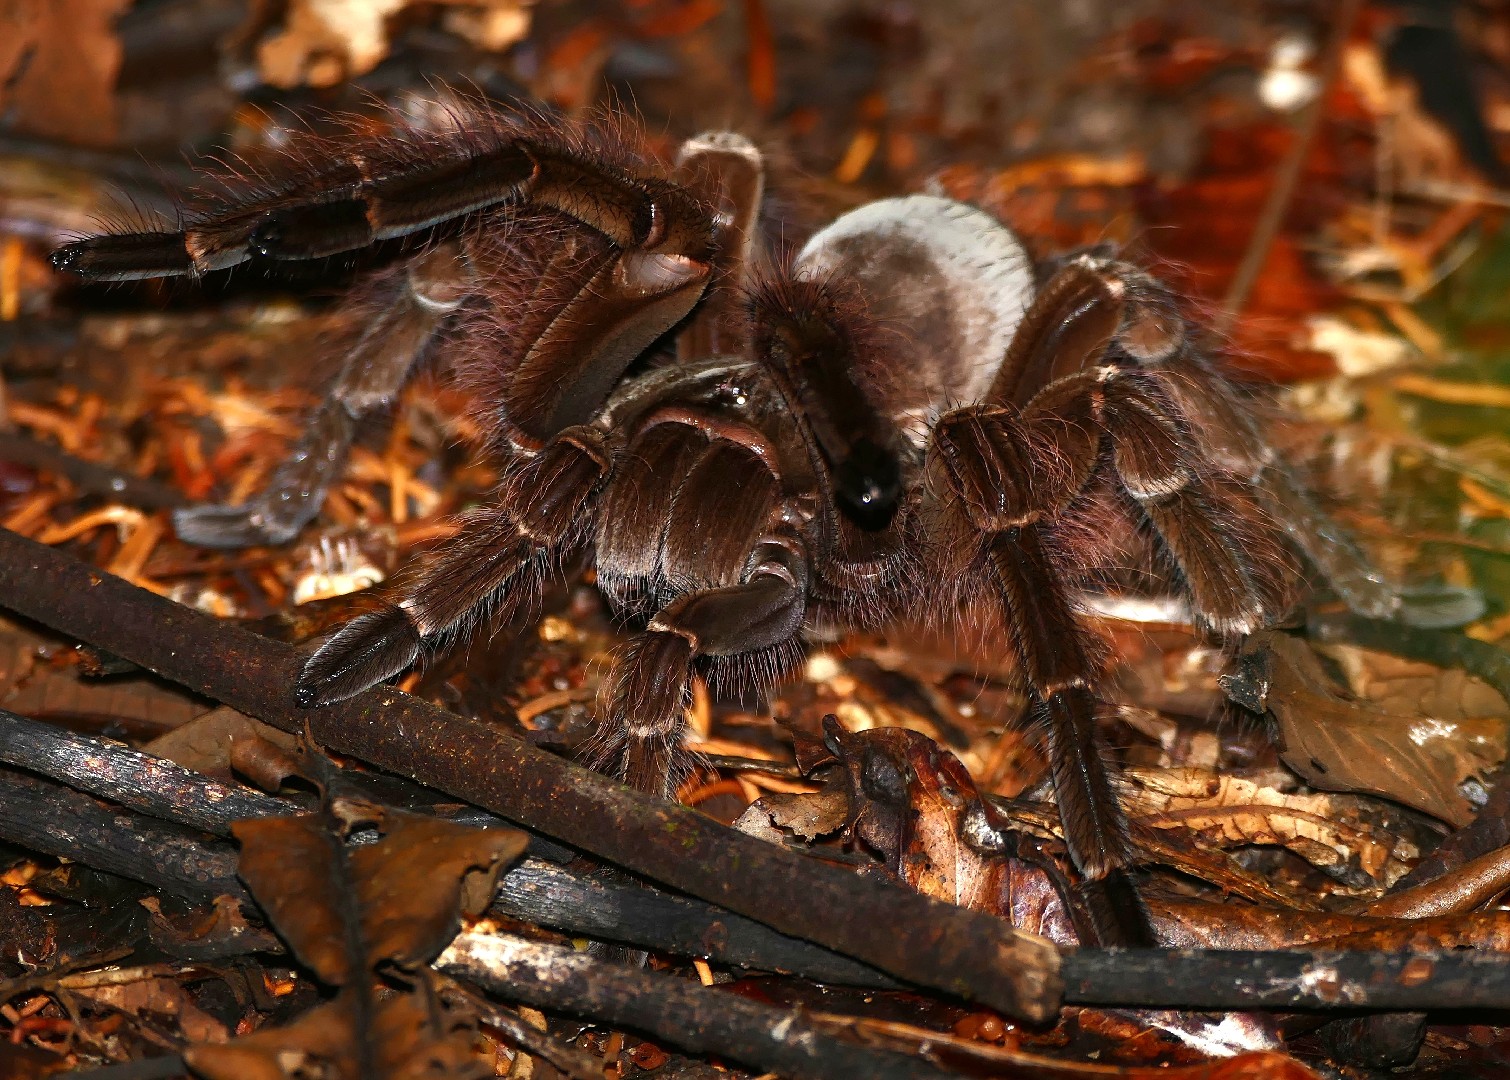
(1337, 744)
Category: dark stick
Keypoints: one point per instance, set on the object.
(1212, 979)
(47, 817)
(565, 899)
(699, 1019)
(922, 941)
(537, 891)
(140, 781)
(90, 477)
(174, 859)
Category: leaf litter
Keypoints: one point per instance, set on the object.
(1381, 304)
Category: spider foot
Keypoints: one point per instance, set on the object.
(367, 650)
(242, 526)
(1117, 913)
(1439, 607)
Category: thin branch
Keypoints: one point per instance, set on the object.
(97, 834)
(47, 817)
(697, 1018)
(153, 785)
(1287, 979)
(535, 890)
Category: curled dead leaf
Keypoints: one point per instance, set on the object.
(1421, 759)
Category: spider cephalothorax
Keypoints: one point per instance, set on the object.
(906, 417)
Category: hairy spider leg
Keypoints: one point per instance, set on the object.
(726, 172)
(337, 199)
(545, 510)
(497, 564)
(1093, 375)
(414, 306)
(644, 700)
(641, 258)
(1229, 435)
(694, 533)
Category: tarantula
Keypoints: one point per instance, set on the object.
(907, 417)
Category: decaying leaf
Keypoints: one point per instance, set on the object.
(404, 892)
(223, 741)
(1421, 760)
(807, 815)
(1226, 811)
(219, 930)
(915, 805)
(407, 1037)
(354, 914)
(162, 996)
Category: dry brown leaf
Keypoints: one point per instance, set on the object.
(347, 911)
(411, 1040)
(58, 63)
(420, 875)
(158, 996)
(406, 891)
(808, 815)
(1227, 811)
(1421, 760)
(222, 742)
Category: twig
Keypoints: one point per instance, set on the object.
(150, 784)
(696, 1018)
(565, 899)
(90, 476)
(922, 941)
(535, 890)
(1273, 214)
(1139, 978)
(58, 821)
(1288, 979)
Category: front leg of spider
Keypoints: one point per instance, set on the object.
(1086, 385)
(497, 565)
(621, 255)
(675, 500)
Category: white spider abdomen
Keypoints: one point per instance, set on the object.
(951, 279)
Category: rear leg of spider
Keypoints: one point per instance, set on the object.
(376, 366)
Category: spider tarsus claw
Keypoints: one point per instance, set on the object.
(366, 651)
(215, 526)
(63, 257)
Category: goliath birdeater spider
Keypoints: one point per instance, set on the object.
(908, 419)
